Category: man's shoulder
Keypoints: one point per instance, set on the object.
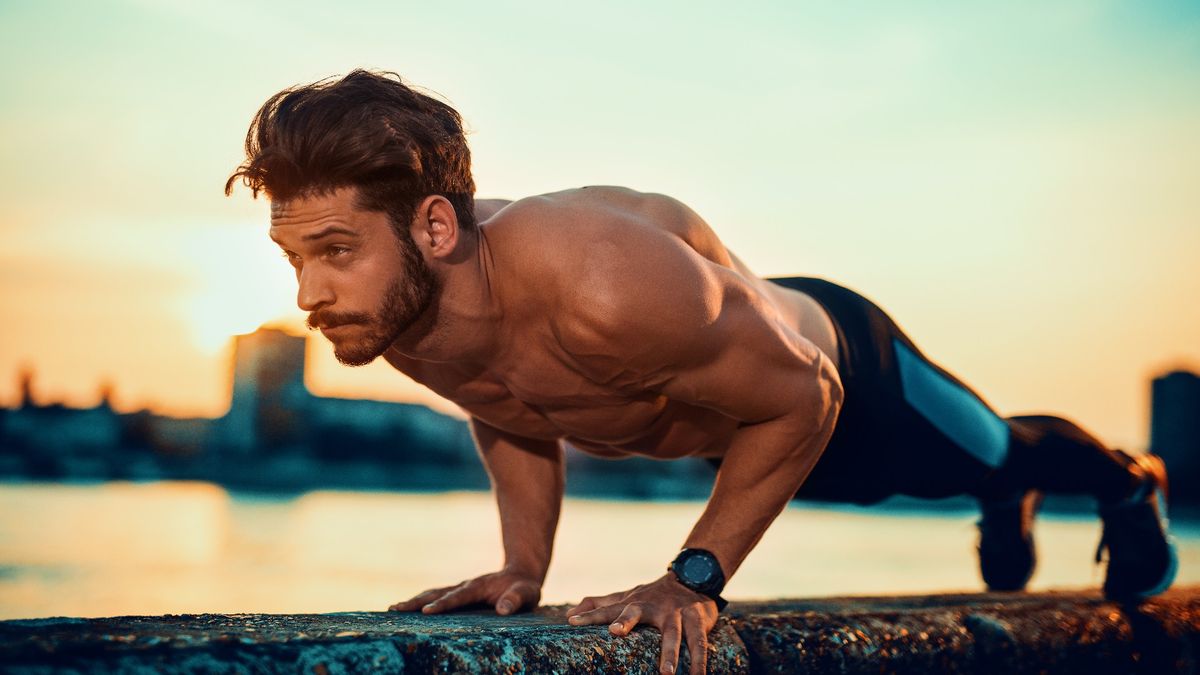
(594, 206)
(578, 228)
(552, 243)
(562, 212)
(607, 269)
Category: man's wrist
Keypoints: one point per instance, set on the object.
(527, 569)
(699, 570)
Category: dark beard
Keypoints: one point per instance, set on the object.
(403, 304)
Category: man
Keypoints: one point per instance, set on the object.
(617, 322)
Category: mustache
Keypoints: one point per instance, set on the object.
(327, 319)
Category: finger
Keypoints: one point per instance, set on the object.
(627, 620)
(590, 603)
(585, 605)
(414, 603)
(516, 597)
(670, 644)
(459, 597)
(697, 640)
(600, 615)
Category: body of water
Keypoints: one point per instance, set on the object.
(158, 548)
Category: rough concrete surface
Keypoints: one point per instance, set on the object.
(1069, 632)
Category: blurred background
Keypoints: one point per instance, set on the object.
(1017, 184)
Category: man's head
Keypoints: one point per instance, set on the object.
(354, 168)
(361, 283)
(366, 130)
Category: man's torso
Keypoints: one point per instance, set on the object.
(536, 387)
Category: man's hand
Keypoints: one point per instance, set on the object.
(677, 612)
(507, 591)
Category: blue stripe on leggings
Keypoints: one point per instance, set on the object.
(952, 410)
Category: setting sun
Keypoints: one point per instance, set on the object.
(241, 284)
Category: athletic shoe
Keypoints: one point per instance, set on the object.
(1142, 560)
(1006, 551)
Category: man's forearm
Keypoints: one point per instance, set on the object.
(764, 466)
(527, 477)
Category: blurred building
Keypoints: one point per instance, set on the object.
(52, 440)
(277, 435)
(269, 397)
(277, 432)
(1175, 430)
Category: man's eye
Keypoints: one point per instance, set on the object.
(337, 250)
(291, 257)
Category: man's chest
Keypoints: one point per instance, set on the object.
(542, 397)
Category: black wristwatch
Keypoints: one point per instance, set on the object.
(699, 570)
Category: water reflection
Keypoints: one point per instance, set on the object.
(156, 548)
(126, 524)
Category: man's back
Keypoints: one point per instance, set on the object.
(567, 266)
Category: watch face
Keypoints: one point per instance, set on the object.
(698, 569)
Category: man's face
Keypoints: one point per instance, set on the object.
(361, 283)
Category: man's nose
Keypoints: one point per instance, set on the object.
(315, 291)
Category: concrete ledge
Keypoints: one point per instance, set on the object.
(988, 633)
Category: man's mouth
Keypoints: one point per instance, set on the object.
(331, 322)
(328, 328)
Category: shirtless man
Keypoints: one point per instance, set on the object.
(617, 322)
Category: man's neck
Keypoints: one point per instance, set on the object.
(463, 322)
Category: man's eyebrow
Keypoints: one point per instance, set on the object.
(332, 229)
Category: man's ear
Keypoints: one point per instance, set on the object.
(435, 227)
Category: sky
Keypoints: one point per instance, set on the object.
(1016, 183)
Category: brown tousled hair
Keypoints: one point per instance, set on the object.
(367, 130)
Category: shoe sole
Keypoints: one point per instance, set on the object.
(1154, 466)
(1160, 495)
(1030, 504)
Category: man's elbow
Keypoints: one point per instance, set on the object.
(822, 401)
(833, 394)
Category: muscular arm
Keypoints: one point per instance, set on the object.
(763, 468)
(699, 334)
(662, 318)
(527, 477)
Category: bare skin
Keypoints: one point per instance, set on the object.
(609, 319)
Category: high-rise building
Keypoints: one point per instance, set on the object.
(1175, 430)
(269, 396)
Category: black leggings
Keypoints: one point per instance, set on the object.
(909, 427)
